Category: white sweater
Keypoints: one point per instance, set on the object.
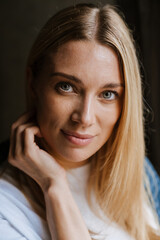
(18, 220)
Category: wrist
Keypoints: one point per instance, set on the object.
(54, 187)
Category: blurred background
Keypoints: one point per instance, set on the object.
(20, 22)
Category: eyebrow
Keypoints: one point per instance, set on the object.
(77, 80)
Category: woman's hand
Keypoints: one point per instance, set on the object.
(63, 216)
(25, 154)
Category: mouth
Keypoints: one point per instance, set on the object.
(77, 138)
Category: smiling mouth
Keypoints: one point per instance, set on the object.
(77, 138)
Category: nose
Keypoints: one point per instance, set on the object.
(84, 113)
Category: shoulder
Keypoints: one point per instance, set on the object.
(154, 184)
(17, 215)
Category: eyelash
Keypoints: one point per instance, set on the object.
(111, 92)
(60, 84)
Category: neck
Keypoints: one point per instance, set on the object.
(69, 165)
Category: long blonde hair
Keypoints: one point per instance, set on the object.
(117, 168)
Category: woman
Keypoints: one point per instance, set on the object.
(76, 160)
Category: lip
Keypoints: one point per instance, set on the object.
(77, 138)
(78, 135)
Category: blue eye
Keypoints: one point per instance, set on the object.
(65, 87)
(109, 95)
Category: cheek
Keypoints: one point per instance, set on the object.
(112, 114)
(109, 119)
(53, 110)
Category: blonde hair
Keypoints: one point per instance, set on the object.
(117, 169)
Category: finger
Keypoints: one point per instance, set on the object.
(19, 143)
(29, 138)
(23, 119)
(16, 139)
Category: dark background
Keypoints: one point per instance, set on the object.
(21, 20)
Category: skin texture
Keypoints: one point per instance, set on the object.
(78, 107)
(66, 110)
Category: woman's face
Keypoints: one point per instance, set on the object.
(79, 100)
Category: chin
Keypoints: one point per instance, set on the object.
(74, 156)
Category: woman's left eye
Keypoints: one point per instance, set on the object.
(109, 95)
(65, 87)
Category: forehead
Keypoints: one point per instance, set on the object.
(80, 49)
(86, 60)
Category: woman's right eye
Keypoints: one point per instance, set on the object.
(64, 87)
